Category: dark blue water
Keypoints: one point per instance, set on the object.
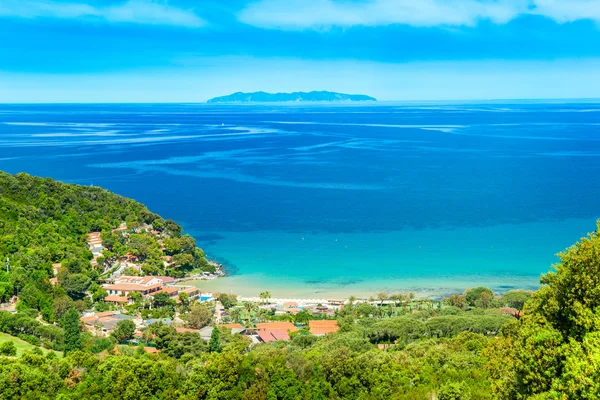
(251, 182)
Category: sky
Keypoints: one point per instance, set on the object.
(192, 50)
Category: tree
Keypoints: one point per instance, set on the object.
(72, 330)
(474, 295)
(184, 298)
(227, 300)
(8, 349)
(456, 300)
(161, 299)
(199, 316)
(124, 330)
(485, 300)
(214, 345)
(515, 298)
(555, 351)
(75, 285)
(382, 296)
(265, 296)
(454, 391)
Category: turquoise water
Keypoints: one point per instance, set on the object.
(338, 199)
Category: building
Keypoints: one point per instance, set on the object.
(117, 299)
(125, 285)
(103, 322)
(273, 331)
(322, 327)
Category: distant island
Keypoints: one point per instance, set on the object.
(264, 97)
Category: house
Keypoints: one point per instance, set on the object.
(166, 321)
(267, 336)
(172, 292)
(104, 321)
(145, 285)
(322, 327)
(206, 332)
(192, 292)
(117, 299)
(127, 288)
(283, 325)
(272, 331)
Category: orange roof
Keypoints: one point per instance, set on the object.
(105, 313)
(115, 298)
(290, 304)
(323, 327)
(168, 290)
(54, 281)
(151, 350)
(85, 320)
(269, 326)
(273, 335)
(190, 289)
(232, 326)
(132, 287)
(182, 330)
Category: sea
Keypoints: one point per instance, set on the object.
(332, 200)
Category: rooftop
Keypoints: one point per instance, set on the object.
(323, 327)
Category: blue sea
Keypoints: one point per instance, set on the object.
(325, 200)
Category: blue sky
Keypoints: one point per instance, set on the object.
(191, 50)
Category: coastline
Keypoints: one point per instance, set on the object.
(422, 287)
(431, 263)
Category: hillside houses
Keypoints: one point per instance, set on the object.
(120, 290)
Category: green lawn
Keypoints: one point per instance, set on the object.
(22, 345)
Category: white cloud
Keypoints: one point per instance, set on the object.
(568, 11)
(131, 11)
(321, 14)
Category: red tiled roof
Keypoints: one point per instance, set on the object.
(273, 335)
(232, 326)
(132, 287)
(323, 327)
(167, 290)
(115, 298)
(285, 326)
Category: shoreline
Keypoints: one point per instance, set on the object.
(251, 285)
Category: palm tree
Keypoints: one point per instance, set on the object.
(235, 313)
(352, 299)
(266, 295)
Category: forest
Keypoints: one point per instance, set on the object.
(471, 345)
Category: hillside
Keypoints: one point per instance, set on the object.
(63, 239)
(263, 97)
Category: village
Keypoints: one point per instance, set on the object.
(125, 290)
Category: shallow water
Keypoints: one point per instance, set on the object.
(338, 199)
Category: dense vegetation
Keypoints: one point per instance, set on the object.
(43, 222)
(473, 345)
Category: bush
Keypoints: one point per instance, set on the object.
(8, 349)
(454, 391)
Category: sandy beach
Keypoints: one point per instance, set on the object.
(252, 285)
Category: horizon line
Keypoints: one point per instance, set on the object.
(291, 103)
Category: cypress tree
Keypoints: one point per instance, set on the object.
(214, 345)
(72, 330)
